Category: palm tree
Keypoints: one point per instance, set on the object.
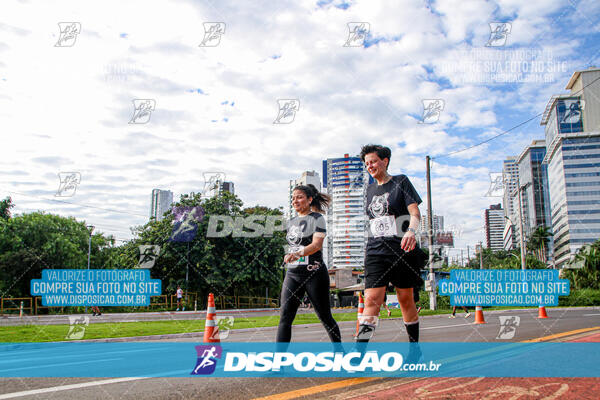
(588, 276)
(538, 242)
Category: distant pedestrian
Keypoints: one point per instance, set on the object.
(179, 298)
(389, 312)
(96, 311)
(454, 312)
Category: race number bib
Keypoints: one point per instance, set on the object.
(302, 260)
(383, 226)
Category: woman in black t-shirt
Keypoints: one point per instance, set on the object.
(392, 254)
(306, 272)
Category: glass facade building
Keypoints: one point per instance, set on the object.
(572, 157)
(535, 195)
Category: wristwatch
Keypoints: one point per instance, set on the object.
(412, 230)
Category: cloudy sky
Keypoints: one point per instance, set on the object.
(66, 103)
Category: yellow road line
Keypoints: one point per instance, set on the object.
(317, 389)
(559, 335)
(357, 381)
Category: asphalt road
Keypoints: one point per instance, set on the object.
(145, 316)
(433, 329)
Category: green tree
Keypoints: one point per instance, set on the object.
(5, 206)
(538, 242)
(588, 276)
(35, 241)
(501, 259)
(228, 265)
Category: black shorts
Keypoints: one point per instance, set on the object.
(398, 270)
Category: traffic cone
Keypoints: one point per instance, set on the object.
(211, 330)
(479, 315)
(361, 308)
(542, 312)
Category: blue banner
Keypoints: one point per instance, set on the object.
(151, 359)
(501, 287)
(95, 287)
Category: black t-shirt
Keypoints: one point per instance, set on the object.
(387, 208)
(300, 230)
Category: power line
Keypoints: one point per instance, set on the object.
(76, 204)
(509, 130)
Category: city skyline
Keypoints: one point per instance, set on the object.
(382, 91)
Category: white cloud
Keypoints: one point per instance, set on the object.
(70, 107)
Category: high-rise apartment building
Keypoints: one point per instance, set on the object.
(160, 203)
(535, 197)
(572, 129)
(346, 180)
(510, 178)
(494, 227)
(226, 187)
(438, 223)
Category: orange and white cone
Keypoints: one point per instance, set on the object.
(542, 312)
(211, 330)
(479, 315)
(361, 308)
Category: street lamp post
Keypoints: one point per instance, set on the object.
(522, 235)
(90, 229)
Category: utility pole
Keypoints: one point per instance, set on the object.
(432, 294)
(468, 255)
(522, 233)
(90, 229)
(462, 263)
(480, 255)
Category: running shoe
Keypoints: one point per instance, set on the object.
(365, 333)
(452, 316)
(467, 315)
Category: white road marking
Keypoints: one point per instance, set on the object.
(445, 326)
(66, 387)
(589, 315)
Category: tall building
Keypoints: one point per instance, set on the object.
(438, 223)
(510, 178)
(572, 128)
(346, 180)
(535, 197)
(508, 235)
(494, 227)
(225, 187)
(308, 177)
(438, 229)
(160, 203)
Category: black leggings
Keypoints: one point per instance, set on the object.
(316, 285)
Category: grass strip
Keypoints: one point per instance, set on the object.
(54, 333)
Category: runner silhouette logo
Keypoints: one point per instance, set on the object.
(207, 359)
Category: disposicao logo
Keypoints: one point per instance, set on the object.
(207, 359)
(320, 362)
